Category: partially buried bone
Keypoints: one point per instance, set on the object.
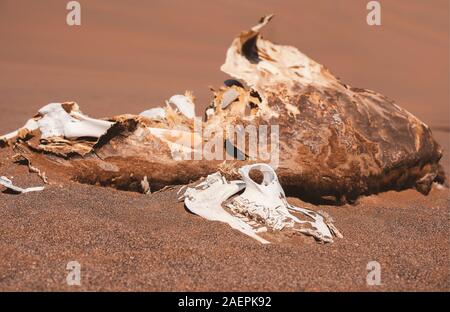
(266, 203)
(260, 205)
(9, 185)
(206, 198)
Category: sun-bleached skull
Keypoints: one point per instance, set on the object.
(181, 104)
(266, 203)
(259, 206)
(206, 198)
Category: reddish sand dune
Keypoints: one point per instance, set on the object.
(131, 55)
(127, 57)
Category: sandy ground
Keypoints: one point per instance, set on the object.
(131, 55)
(129, 241)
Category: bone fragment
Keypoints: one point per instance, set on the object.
(9, 185)
(206, 200)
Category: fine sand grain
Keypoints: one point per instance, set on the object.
(127, 241)
(127, 57)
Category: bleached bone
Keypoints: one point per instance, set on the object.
(328, 122)
(334, 140)
(67, 121)
(30, 125)
(228, 97)
(145, 186)
(206, 200)
(62, 120)
(266, 203)
(184, 104)
(9, 185)
(155, 113)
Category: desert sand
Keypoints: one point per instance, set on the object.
(127, 57)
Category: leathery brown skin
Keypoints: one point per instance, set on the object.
(120, 159)
(335, 141)
(337, 146)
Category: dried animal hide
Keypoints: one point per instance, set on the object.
(334, 140)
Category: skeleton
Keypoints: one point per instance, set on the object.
(335, 141)
(184, 103)
(259, 206)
